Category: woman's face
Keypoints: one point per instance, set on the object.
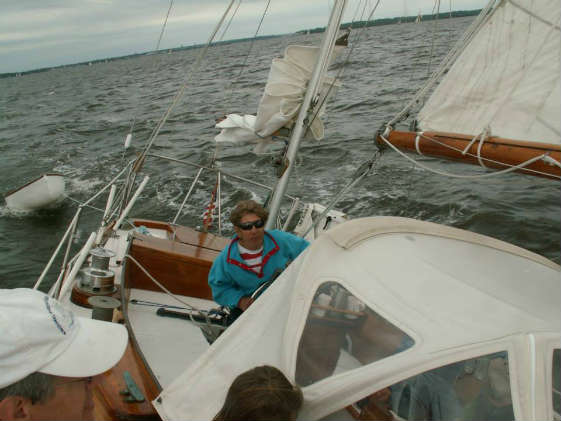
(250, 236)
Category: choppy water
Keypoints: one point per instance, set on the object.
(75, 120)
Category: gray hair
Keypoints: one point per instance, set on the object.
(37, 387)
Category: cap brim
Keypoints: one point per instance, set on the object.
(97, 347)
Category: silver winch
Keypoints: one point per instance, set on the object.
(98, 279)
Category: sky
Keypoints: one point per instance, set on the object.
(46, 33)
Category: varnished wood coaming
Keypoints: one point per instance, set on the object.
(181, 262)
(507, 151)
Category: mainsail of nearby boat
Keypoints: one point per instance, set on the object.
(498, 105)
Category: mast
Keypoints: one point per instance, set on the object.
(313, 88)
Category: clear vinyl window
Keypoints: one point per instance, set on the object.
(342, 333)
(474, 389)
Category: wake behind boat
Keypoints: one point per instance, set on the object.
(447, 323)
(44, 191)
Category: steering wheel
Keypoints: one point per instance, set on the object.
(257, 293)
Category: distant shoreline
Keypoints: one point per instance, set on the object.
(353, 25)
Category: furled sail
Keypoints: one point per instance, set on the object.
(281, 100)
(507, 80)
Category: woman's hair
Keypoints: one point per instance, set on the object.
(247, 206)
(262, 393)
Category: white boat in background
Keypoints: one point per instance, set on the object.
(42, 192)
(450, 324)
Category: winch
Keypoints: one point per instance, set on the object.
(96, 279)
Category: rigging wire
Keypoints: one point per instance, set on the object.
(164, 26)
(433, 33)
(157, 63)
(228, 96)
(446, 62)
(227, 27)
(319, 106)
(175, 297)
(194, 69)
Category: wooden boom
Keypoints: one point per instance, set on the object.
(504, 152)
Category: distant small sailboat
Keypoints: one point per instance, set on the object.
(419, 18)
(41, 192)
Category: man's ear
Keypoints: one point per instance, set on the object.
(14, 408)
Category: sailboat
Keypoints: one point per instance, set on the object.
(452, 324)
(497, 107)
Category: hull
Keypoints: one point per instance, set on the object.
(504, 152)
(39, 193)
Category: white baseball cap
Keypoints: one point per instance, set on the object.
(38, 334)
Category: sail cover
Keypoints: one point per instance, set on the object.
(507, 79)
(281, 100)
(409, 315)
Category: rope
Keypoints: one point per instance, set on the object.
(552, 161)
(481, 140)
(417, 138)
(433, 33)
(545, 156)
(163, 288)
(446, 62)
(447, 174)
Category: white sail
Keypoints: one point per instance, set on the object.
(279, 106)
(507, 79)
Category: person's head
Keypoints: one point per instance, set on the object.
(249, 219)
(262, 393)
(48, 356)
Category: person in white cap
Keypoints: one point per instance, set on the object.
(47, 357)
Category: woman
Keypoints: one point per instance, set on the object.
(253, 257)
(262, 393)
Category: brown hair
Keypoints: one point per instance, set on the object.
(247, 206)
(262, 393)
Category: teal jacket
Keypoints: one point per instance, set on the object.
(231, 279)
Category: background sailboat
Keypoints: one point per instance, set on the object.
(498, 104)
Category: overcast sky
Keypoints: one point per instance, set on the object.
(44, 33)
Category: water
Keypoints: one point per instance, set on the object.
(75, 120)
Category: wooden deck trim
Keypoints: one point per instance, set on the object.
(109, 404)
(181, 262)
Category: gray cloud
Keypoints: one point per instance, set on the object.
(48, 33)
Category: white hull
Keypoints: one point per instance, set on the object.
(39, 193)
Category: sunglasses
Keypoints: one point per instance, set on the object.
(246, 226)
